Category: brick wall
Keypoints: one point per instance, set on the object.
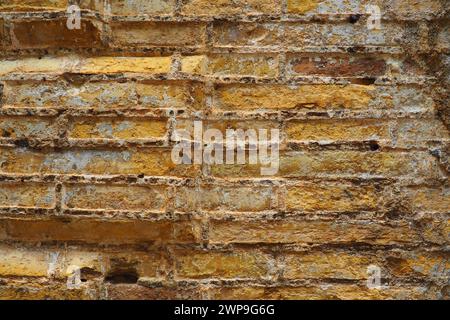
(87, 182)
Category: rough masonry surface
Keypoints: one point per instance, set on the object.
(87, 183)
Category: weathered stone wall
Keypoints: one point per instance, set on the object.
(87, 182)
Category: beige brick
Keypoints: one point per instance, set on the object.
(324, 292)
(249, 97)
(148, 162)
(430, 199)
(113, 128)
(342, 164)
(314, 232)
(158, 34)
(223, 265)
(50, 291)
(243, 65)
(140, 292)
(333, 197)
(142, 7)
(170, 94)
(115, 197)
(338, 130)
(220, 198)
(55, 34)
(103, 95)
(298, 35)
(228, 7)
(356, 163)
(323, 265)
(414, 9)
(27, 195)
(228, 34)
(194, 64)
(28, 127)
(94, 264)
(412, 132)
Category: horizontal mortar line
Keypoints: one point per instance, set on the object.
(385, 145)
(251, 17)
(89, 247)
(212, 282)
(135, 180)
(274, 248)
(36, 215)
(270, 248)
(28, 214)
(219, 114)
(332, 219)
(287, 145)
(226, 79)
(319, 49)
(269, 281)
(135, 111)
(96, 179)
(290, 115)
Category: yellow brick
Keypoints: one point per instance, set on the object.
(27, 195)
(433, 265)
(90, 230)
(23, 262)
(322, 265)
(113, 128)
(338, 130)
(222, 265)
(33, 5)
(302, 6)
(227, 7)
(115, 197)
(247, 97)
(333, 197)
(148, 162)
(251, 232)
(125, 65)
(75, 64)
